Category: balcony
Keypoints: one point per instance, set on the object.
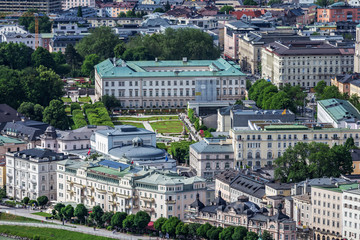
(147, 209)
(123, 196)
(147, 199)
(167, 201)
(135, 206)
(127, 206)
(100, 190)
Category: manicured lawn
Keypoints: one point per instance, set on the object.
(66, 99)
(84, 99)
(167, 126)
(138, 125)
(68, 109)
(47, 233)
(43, 214)
(147, 118)
(14, 218)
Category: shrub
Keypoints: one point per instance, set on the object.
(75, 106)
(78, 118)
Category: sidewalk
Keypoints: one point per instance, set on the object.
(147, 126)
(58, 225)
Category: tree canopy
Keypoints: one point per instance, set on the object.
(250, 3)
(15, 55)
(81, 212)
(31, 110)
(226, 9)
(28, 21)
(313, 160)
(55, 115)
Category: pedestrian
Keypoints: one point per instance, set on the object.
(94, 228)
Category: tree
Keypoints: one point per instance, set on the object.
(226, 9)
(214, 232)
(117, 219)
(324, 3)
(180, 150)
(101, 42)
(203, 229)
(319, 88)
(266, 236)
(106, 218)
(128, 223)
(72, 57)
(119, 49)
(250, 3)
(55, 115)
(96, 215)
(248, 84)
(350, 144)
(81, 212)
(182, 229)
(42, 200)
(170, 226)
(271, 2)
(79, 12)
(58, 207)
(110, 102)
(68, 212)
(167, 6)
(43, 57)
(159, 10)
(239, 102)
(74, 106)
(251, 236)
(141, 220)
(15, 55)
(33, 203)
(61, 67)
(26, 200)
(227, 233)
(90, 61)
(28, 21)
(239, 233)
(159, 223)
(32, 111)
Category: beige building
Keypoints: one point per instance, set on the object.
(2, 173)
(8, 144)
(327, 210)
(304, 63)
(112, 21)
(351, 214)
(121, 187)
(264, 141)
(156, 84)
(302, 210)
(211, 156)
(357, 51)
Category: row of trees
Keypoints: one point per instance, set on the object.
(268, 96)
(314, 160)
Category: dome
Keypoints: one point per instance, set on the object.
(138, 152)
(137, 142)
(50, 129)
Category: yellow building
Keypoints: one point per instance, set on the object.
(276, 189)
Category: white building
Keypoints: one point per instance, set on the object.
(12, 28)
(351, 214)
(67, 4)
(32, 173)
(68, 29)
(121, 187)
(27, 38)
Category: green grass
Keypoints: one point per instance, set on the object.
(135, 124)
(43, 214)
(84, 99)
(66, 99)
(68, 109)
(15, 218)
(161, 117)
(168, 126)
(47, 233)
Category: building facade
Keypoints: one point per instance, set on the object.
(305, 63)
(67, 4)
(336, 12)
(351, 214)
(150, 84)
(32, 173)
(121, 187)
(45, 6)
(357, 51)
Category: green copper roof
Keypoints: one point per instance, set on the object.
(218, 67)
(4, 140)
(341, 188)
(339, 109)
(110, 171)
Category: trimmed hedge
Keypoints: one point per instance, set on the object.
(75, 106)
(78, 118)
(97, 114)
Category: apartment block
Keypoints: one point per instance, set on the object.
(336, 12)
(32, 173)
(351, 214)
(149, 84)
(122, 187)
(67, 4)
(305, 63)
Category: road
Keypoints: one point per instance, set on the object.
(69, 227)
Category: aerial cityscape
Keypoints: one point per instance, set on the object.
(180, 119)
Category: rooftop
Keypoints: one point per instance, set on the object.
(339, 110)
(159, 68)
(123, 130)
(212, 146)
(5, 140)
(341, 187)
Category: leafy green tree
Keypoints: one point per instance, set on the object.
(159, 10)
(110, 102)
(239, 102)
(128, 223)
(106, 218)
(42, 200)
(72, 57)
(159, 223)
(101, 42)
(249, 3)
(81, 212)
(15, 55)
(79, 12)
(226, 9)
(319, 88)
(122, 15)
(117, 219)
(90, 61)
(68, 212)
(266, 236)
(324, 3)
(331, 92)
(193, 227)
(12, 91)
(214, 232)
(61, 67)
(182, 229)
(96, 215)
(119, 49)
(33, 203)
(239, 233)
(130, 14)
(350, 144)
(74, 106)
(43, 57)
(141, 220)
(251, 236)
(55, 115)
(170, 226)
(271, 2)
(227, 233)
(180, 150)
(32, 111)
(167, 6)
(26, 200)
(203, 229)
(248, 84)
(58, 207)
(28, 21)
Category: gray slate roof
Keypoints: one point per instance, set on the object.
(205, 147)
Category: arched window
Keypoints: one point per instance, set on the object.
(269, 155)
(258, 163)
(227, 165)
(208, 166)
(257, 155)
(250, 155)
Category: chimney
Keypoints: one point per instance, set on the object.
(156, 60)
